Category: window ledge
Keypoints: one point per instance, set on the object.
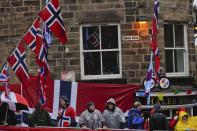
(180, 75)
(99, 77)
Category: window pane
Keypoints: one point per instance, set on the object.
(91, 39)
(179, 36)
(109, 37)
(92, 65)
(168, 35)
(179, 60)
(169, 60)
(110, 62)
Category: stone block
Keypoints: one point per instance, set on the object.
(130, 5)
(74, 35)
(52, 62)
(68, 15)
(73, 41)
(74, 48)
(135, 80)
(104, 6)
(57, 55)
(142, 51)
(97, 1)
(132, 66)
(128, 73)
(21, 9)
(144, 65)
(71, 1)
(102, 16)
(136, 44)
(118, 5)
(5, 4)
(62, 62)
(61, 48)
(32, 3)
(74, 29)
(1, 21)
(75, 61)
(83, 1)
(141, 73)
(137, 58)
(2, 10)
(131, 52)
(71, 55)
(146, 58)
(16, 3)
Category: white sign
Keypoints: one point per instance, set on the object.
(132, 37)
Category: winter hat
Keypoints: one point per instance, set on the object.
(157, 107)
(182, 109)
(90, 104)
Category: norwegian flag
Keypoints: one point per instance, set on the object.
(154, 36)
(93, 39)
(64, 121)
(17, 61)
(51, 15)
(4, 73)
(4, 78)
(42, 76)
(31, 36)
(42, 62)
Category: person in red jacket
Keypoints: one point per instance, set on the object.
(66, 114)
(174, 119)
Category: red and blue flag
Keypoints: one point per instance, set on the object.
(52, 17)
(17, 61)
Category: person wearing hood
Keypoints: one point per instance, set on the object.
(174, 119)
(158, 121)
(66, 114)
(40, 117)
(91, 117)
(135, 119)
(183, 122)
(114, 117)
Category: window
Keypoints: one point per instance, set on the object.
(100, 52)
(176, 53)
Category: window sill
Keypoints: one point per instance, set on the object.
(180, 75)
(101, 77)
(108, 81)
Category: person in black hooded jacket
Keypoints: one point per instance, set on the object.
(158, 120)
(7, 116)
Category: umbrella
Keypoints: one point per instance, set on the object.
(15, 101)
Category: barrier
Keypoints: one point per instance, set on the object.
(16, 128)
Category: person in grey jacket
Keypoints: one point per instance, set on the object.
(114, 117)
(91, 118)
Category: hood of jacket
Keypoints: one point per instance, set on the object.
(111, 100)
(181, 114)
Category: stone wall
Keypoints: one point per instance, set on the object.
(17, 15)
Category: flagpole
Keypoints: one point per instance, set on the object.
(40, 4)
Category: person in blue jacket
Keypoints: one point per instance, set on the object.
(135, 119)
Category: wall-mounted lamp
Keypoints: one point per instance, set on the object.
(141, 19)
